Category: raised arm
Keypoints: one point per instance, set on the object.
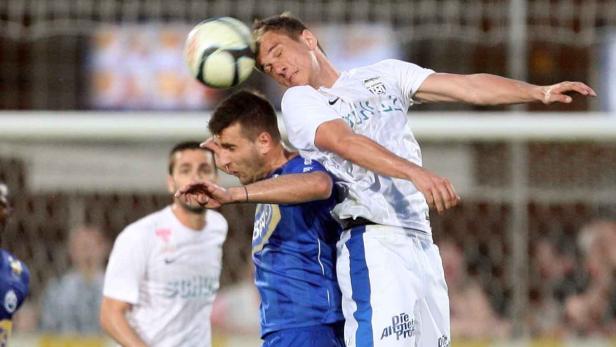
(487, 89)
(337, 137)
(286, 189)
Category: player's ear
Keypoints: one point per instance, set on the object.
(309, 38)
(264, 142)
(170, 184)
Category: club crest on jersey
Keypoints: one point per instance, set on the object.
(375, 86)
(164, 234)
(10, 301)
(15, 265)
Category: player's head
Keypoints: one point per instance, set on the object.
(246, 130)
(5, 205)
(287, 50)
(88, 248)
(189, 163)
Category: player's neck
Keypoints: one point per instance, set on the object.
(190, 219)
(328, 74)
(279, 157)
(88, 272)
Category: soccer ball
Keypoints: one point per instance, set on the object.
(220, 52)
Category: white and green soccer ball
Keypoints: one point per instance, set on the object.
(220, 52)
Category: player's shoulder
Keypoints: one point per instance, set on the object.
(383, 67)
(217, 221)
(143, 228)
(13, 265)
(4, 255)
(299, 164)
(299, 93)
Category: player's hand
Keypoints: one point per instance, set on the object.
(438, 191)
(213, 145)
(205, 194)
(558, 92)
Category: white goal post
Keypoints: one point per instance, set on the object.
(143, 126)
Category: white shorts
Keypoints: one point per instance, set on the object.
(393, 288)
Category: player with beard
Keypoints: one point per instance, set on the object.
(164, 270)
(14, 276)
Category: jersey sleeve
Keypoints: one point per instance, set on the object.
(303, 110)
(408, 75)
(14, 285)
(126, 267)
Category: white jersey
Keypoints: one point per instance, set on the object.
(374, 101)
(170, 273)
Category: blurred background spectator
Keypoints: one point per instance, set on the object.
(71, 303)
(558, 277)
(472, 316)
(593, 311)
(236, 308)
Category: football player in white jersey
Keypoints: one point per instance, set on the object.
(164, 270)
(355, 123)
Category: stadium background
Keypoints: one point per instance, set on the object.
(94, 93)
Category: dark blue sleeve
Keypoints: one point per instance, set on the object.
(14, 284)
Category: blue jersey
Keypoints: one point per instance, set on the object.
(294, 252)
(14, 286)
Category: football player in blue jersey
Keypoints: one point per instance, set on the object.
(14, 276)
(293, 245)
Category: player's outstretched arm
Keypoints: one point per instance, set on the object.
(286, 189)
(487, 89)
(113, 321)
(337, 137)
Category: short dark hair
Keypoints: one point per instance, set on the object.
(251, 110)
(284, 23)
(182, 146)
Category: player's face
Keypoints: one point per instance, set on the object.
(5, 207)
(190, 166)
(289, 62)
(239, 156)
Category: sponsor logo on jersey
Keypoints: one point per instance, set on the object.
(170, 260)
(192, 288)
(375, 86)
(443, 341)
(10, 301)
(402, 327)
(366, 109)
(267, 217)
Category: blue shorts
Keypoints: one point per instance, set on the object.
(331, 335)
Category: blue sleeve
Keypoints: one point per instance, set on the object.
(14, 284)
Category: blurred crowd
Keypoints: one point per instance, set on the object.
(573, 290)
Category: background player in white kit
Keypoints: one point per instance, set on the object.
(355, 123)
(164, 270)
